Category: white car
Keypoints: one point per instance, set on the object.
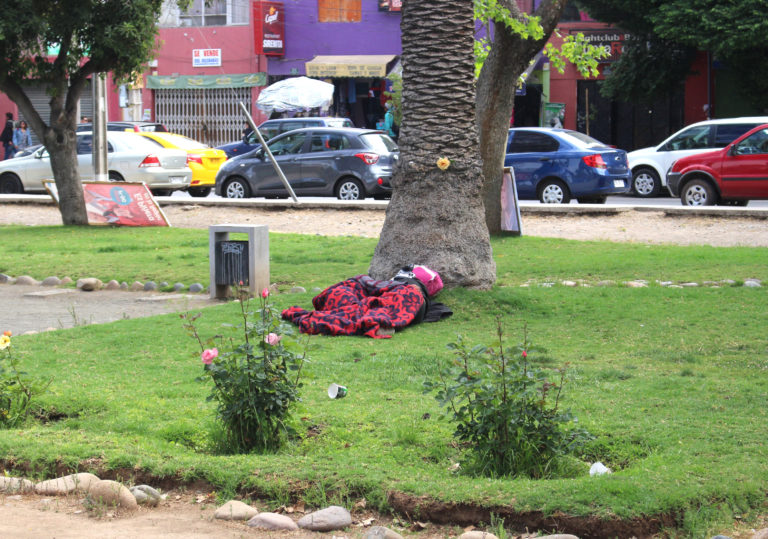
(130, 157)
(649, 165)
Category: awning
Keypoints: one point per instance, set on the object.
(364, 66)
(195, 82)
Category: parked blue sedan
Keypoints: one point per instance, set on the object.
(554, 165)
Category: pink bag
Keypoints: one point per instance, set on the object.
(430, 278)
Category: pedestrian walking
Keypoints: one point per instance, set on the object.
(6, 137)
(21, 137)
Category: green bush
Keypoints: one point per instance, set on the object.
(256, 381)
(506, 410)
(16, 388)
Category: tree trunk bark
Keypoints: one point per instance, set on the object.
(509, 57)
(61, 142)
(436, 217)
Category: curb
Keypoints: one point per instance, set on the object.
(381, 205)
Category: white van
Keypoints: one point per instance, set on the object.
(649, 165)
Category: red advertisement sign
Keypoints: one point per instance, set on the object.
(269, 27)
(611, 40)
(120, 204)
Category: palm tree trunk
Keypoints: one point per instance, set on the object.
(436, 217)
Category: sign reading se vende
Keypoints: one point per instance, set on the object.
(206, 57)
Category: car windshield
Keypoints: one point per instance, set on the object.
(691, 139)
(582, 138)
(379, 142)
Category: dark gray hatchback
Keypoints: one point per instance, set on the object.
(348, 163)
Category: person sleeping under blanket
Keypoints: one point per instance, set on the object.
(362, 305)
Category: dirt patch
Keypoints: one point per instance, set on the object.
(654, 227)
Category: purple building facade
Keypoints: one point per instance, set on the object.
(353, 45)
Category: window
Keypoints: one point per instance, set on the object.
(727, 133)
(528, 142)
(339, 11)
(289, 144)
(756, 143)
(215, 13)
(690, 139)
(331, 142)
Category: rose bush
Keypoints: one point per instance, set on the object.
(256, 376)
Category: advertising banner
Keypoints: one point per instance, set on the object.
(206, 57)
(119, 204)
(510, 208)
(390, 5)
(611, 40)
(269, 27)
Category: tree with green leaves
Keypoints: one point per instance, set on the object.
(92, 36)
(436, 215)
(514, 40)
(667, 33)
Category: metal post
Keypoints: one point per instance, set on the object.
(99, 126)
(269, 154)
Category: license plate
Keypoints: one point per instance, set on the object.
(181, 179)
(618, 183)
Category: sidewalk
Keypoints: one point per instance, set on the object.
(41, 308)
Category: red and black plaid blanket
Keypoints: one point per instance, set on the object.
(360, 306)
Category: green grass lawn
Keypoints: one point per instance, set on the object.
(673, 382)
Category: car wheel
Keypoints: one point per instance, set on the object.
(237, 188)
(350, 189)
(10, 185)
(115, 176)
(199, 191)
(698, 193)
(645, 182)
(592, 200)
(553, 192)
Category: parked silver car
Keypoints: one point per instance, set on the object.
(130, 157)
(348, 163)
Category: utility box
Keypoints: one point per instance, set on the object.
(238, 261)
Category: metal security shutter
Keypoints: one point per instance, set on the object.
(41, 103)
(212, 116)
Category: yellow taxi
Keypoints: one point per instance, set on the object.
(203, 160)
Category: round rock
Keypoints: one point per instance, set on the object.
(15, 484)
(4, 279)
(178, 286)
(27, 280)
(297, 290)
(112, 285)
(325, 520)
(235, 510)
(380, 532)
(51, 281)
(477, 534)
(112, 493)
(136, 286)
(80, 482)
(150, 285)
(146, 495)
(89, 284)
(195, 288)
(272, 521)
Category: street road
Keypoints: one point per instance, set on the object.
(620, 200)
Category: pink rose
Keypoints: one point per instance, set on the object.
(265, 293)
(209, 355)
(272, 339)
(525, 354)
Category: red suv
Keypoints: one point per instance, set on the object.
(732, 176)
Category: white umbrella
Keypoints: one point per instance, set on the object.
(297, 93)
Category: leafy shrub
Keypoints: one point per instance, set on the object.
(16, 389)
(506, 410)
(256, 381)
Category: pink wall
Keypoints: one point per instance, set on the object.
(175, 47)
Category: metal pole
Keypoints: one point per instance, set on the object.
(99, 126)
(268, 153)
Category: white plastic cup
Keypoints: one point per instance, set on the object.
(335, 391)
